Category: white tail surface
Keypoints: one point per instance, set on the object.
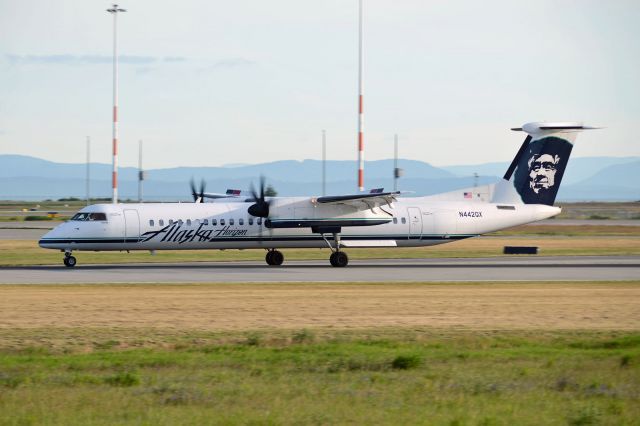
(535, 173)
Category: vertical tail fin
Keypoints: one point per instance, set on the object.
(535, 173)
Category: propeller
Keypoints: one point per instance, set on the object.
(198, 197)
(261, 206)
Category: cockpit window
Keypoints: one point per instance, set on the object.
(80, 216)
(96, 217)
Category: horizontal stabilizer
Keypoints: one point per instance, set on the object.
(534, 128)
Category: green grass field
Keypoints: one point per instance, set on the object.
(308, 377)
(162, 354)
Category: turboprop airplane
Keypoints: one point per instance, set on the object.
(525, 194)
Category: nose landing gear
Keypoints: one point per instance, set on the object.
(69, 261)
(274, 257)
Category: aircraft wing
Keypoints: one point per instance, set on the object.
(215, 196)
(360, 201)
(231, 193)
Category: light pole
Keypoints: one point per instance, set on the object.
(360, 104)
(114, 175)
(324, 162)
(397, 171)
(141, 173)
(88, 177)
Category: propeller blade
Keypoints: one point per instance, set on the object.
(260, 208)
(193, 190)
(202, 188)
(252, 190)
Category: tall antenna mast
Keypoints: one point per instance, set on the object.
(360, 104)
(114, 175)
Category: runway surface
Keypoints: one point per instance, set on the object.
(583, 268)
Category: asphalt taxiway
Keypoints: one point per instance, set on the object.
(570, 268)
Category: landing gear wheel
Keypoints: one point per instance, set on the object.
(277, 258)
(339, 259)
(274, 258)
(69, 261)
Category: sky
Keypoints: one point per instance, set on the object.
(208, 83)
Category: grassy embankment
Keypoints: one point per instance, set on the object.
(453, 354)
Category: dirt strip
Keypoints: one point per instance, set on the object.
(253, 306)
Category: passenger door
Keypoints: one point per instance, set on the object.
(131, 226)
(415, 221)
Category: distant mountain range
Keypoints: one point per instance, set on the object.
(30, 178)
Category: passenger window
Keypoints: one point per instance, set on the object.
(404, 220)
(230, 221)
(151, 222)
(205, 222)
(188, 222)
(240, 221)
(170, 221)
(214, 222)
(222, 222)
(161, 222)
(180, 222)
(395, 220)
(250, 221)
(259, 221)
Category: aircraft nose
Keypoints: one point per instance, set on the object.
(47, 239)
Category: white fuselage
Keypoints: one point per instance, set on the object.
(412, 222)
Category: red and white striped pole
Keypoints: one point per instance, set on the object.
(360, 105)
(114, 174)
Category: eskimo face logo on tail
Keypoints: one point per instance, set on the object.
(540, 170)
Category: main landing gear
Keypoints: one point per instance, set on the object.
(69, 261)
(338, 259)
(274, 257)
